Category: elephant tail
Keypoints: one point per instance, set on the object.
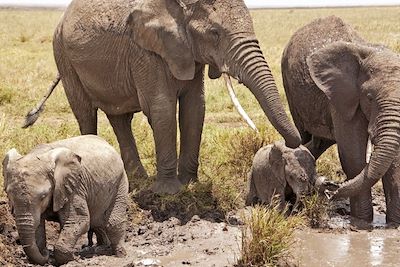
(34, 114)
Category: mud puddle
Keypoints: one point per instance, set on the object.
(377, 248)
(344, 244)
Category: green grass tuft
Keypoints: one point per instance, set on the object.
(267, 237)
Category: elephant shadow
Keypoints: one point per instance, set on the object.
(194, 199)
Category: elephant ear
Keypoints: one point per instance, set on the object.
(277, 162)
(158, 26)
(11, 156)
(335, 69)
(66, 174)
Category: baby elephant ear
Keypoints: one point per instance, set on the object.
(66, 174)
(277, 161)
(11, 156)
(159, 27)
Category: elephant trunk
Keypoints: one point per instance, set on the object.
(247, 64)
(386, 149)
(27, 230)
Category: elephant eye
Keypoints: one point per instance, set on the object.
(43, 196)
(369, 96)
(215, 34)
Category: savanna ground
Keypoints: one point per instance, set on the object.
(27, 68)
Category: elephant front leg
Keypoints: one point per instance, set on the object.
(162, 119)
(391, 186)
(191, 119)
(75, 222)
(352, 138)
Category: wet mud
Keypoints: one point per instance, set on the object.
(211, 240)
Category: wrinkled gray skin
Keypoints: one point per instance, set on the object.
(343, 90)
(127, 56)
(280, 171)
(80, 181)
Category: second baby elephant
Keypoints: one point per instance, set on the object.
(280, 171)
(80, 182)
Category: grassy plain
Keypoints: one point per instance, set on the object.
(27, 68)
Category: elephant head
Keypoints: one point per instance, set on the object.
(215, 32)
(362, 82)
(33, 184)
(296, 167)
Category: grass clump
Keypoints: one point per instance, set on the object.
(6, 95)
(316, 210)
(267, 237)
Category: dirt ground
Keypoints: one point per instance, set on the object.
(155, 239)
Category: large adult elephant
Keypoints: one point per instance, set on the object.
(126, 56)
(344, 90)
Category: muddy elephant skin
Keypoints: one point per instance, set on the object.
(279, 171)
(127, 56)
(342, 89)
(81, 181)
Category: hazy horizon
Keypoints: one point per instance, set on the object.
(250, 3)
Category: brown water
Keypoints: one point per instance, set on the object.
(377, 247)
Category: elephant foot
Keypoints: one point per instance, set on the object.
(62, 255)
(187, 178)
(119, 252)
(166, 186)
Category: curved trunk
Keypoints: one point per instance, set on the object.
(27, 232)
(386, 149)
(247, 63)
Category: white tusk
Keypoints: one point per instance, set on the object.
(370, 148)
(236, 103)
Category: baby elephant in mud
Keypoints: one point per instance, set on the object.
(282, 172)
(80, 182)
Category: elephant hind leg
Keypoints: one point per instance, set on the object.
(122, 128)
(81, 104)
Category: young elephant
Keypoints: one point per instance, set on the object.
(280, 171)
(81, 181)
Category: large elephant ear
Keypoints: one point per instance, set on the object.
(158, 26)
(66, 173)
(335, 70)
(11, 156)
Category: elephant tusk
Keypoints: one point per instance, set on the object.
(370, 148)
(236, 103)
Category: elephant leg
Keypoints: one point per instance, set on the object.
(116, 223)
(391, 186)
(251, 197)
(130, 155)
(352, 138)
(191, 119)
(85, 113)
(317, 146)
(75, 221)
(101, 237)
(162, 119)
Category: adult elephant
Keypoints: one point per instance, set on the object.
(344, 90)
(126, 56)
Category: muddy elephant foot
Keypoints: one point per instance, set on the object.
(187, 178)
(62, 255)
(166, 186)
(119, 252)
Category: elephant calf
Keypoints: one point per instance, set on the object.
(280, 171)
(81, 181)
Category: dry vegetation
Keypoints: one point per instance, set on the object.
(27, 68)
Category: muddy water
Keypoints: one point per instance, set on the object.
(379, 247)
